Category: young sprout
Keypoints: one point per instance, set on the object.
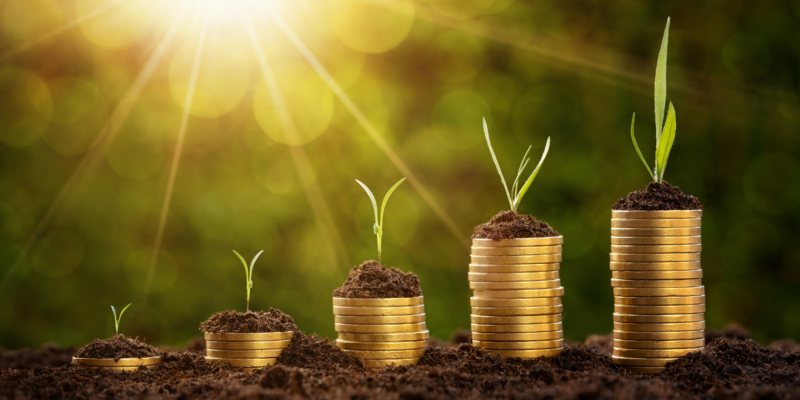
(665, 136)
(116, 320)
(516, 194)
(378, 227)
(248, 274)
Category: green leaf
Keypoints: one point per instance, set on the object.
(371, 197)
(522, 165)
(661, 83)
(527, 184)
(665, 144)
(636, 146)
(497, 164)
(246, 273)
(251, 267)
(386, 198)
(123, 310)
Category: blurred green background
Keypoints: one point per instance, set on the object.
(92, 94)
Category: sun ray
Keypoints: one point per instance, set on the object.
(457, 232)
(316, 199)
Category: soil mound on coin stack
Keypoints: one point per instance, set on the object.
(117, 347)
(658, 197)
(250, 322)
(371, 280)
(314, 352)
(510, 225)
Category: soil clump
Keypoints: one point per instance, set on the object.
(658, 197)
(249, 322)
(372, 280)
(117, 347)
(510, 225)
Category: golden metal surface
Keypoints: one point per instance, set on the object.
(518, 320)
(248, 337)
(535, 302)
(517, 337)
(519, 294)
(655, 266)
(122, 362)
(641, 362)
(665, 327)
(379, 320)
(668, 214)
(686, 309)
(660, 301)
(645, 292)
(520, 328)
(512, 277)
(523, 353)
(246, 354)
(418, 344)
(515, 251)
(659, 344)
(667, 257)
(528, 345)
(544, 241)
(383, 363)
(683, 335)
(658, 275)
(656, 223)
(242, 362)
(384, 337)
(399, 328)
(393, 302)
(655, 283)
(672, 248)
(659, 319)
(384, 355)
(500, 311)
(274, 344)
(523, 285)
(655, 232)
(505, 260)
(376, 311)
(643, 370)
(513, 268)
(654, 353)
(655, 240)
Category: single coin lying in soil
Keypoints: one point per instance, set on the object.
(510, 225)
(249, 322)
(117, 347)
(371, 280)
(658, 197)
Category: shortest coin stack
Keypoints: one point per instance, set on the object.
(381, 332)
(249, 351)
(123, 364)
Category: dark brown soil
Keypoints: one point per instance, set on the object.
(249, 322)
(117, 347)
(317, 353)
(371, 280)
(510, 225)
(658, 197)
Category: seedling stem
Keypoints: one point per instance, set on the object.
(248, 274)
(377, 228)
(116, 320)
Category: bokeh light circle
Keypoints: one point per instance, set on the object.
(770, 183)
(120, 25)
(459, 56)
(544, 111)
(371, 26)
(137, 268)
(464, 9)
(24, 20)
(27, 107)
(79, 115)
(58, 254)
(457, 119)
(10, 223)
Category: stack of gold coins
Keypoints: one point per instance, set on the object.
(659, 298)
(249, 351)
(381, 332)
(516, 308)
(123, 364)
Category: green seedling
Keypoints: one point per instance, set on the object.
(516, 193)
(248, 274)
(378, 226)
(665, 136)
(116, 320)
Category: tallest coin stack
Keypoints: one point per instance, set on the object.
(659, 298)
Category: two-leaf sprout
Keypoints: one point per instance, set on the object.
(248, 274)
(378, 226)
(517, 193)
(116, 320)
(665, 136)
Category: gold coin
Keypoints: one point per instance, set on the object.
(655, 257)
(399, 328)
(248, 354)
(524, 328)
(643, 370)
(519, 294)
(248, 337)
(659, 301)
(656, 223)
(243, 362)
(659, 319)
(672, 248)
(554, 283)
(665, 214)
(515, 251)
(654, 353)
(499, 311)
(528, 345)
(685, 309)
(513, 268)
(642, 362)
(377, 311)
(683, 335)
(122, 362)
(512, 277)
(655, 240)
(418, 344)
(384, 363)
(519, 319)
(393, 302)
(118, 368)
(665, 327)
(384, 355)
(659, 344)
(379, 320)
(655, 232)
(655, 283)
(523, 242)
(274, 344)
(517, 337)
(658, 275)
(384, 337)
(646, 292)
(523, 353)
(535, 302)
(655, 266)
(505, 260)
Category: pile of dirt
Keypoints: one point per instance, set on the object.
(48, 356)
(117, 347)
(658, 197)
(314, 352)
(372, 280)
(510, 225)
(249, 322)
